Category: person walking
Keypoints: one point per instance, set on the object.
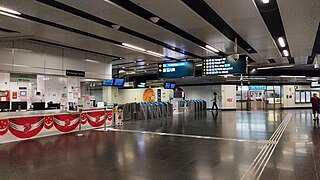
(315, 107)
(214, 102)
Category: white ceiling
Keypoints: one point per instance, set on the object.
(300, 20)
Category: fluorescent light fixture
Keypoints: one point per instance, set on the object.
(199, 65)
(122, 71)
(10, 15)
(155, 54)
(93, 61)
(281, 42)
(285, 53)
(288, 76)
(9, 10)
(133, 47)
(275, 67)
(265, 1)
(212, 48)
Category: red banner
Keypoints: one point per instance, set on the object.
(109, 115)
(84, 118)
(26, 127)
(3, 126)
(48, 122)
(66, 122)
(96, 118)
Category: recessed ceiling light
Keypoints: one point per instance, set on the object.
(285, 53)
(212, 48)
(281, 41)
(147, 64)
(265, 1)
(123, 67)
(133, 47)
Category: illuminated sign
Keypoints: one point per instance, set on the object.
(176, 69)
(228, 65)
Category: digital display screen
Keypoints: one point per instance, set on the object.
(108, 82)
(176, 69)
(315, 84)
(118, 82)
(225, 65)
(167, 85)
(141, 85)
(173, 85)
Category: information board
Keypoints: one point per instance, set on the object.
(228, 65)
(176, 69)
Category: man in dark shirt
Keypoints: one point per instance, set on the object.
(214, 101)
(315, 107)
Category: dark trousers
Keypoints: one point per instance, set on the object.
(214, 105)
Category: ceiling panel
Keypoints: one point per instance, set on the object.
(301, 26)
(177, 13)
(122, 17)
(245, 19)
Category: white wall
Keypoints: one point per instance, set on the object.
(203, 93)
(290, 90)
(206, 93)
(29, 57)
(228, 94)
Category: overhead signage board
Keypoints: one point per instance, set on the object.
(17, 77)
(218, 66)
(75, 73)
(176, 69)
(257, 87)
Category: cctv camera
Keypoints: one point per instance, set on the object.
(316, 66)
(235, 57)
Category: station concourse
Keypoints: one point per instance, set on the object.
(161, 89)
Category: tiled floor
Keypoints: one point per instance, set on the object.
(134, 155)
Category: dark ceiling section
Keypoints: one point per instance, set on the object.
(271, 16)
(272, 61)
(145, 14)
(109, 24)
(316, 47)
(7, 30)
(207, 13)
(74, 48)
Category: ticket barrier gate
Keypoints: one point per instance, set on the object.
(142, 113)
(150, 110)
(169, 109)
(129, 111)
(165, 109)
(155, 110)
(159, 110)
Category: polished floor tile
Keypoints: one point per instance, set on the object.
(129, 155)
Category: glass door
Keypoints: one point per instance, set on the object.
(271, 100)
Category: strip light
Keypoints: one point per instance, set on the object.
(274, 67)
(285, 53)
(265, 1)
(281, 41)
(9, 10)
(10, 15)
(155, 53)
(212, 48)
(286, 76)
(133, 47)
(93, 61)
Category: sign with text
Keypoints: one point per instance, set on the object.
(17, 77)
(176, 69)
(75, 73)
(257, 87)
(228, 65)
